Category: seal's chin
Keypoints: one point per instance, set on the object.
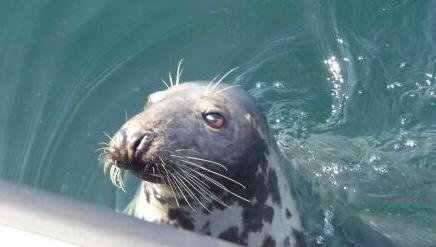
(150, 176)
(147, 171)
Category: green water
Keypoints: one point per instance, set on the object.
(349, 89)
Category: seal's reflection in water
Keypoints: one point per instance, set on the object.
(207, 164)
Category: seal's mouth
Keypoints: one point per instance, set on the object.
(150, 172)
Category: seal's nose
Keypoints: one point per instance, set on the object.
(127, 146)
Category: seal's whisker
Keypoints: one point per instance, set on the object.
(173, 182)
(194, 184)
(156, 175)
(211, 85)
(208, 170)
(165, 83)
(214, 79)
(106, 165)
(108, 136)
(208, 87)
(218, 184)
(121, 181)
(179, 71)
(116, 177)
(125, 111)
(158, 171)
(105, 146)
(194, 188)
(204, 187)
(189, 173)
(168, 122)
(172, 177)
(103, 149)
(199, 159)
(102, 155)
(181, 191)
(212, 82)
(200, 192)
(208, 161)
(119, 177)
(165, 182)
(226, 88)
(171, 79)
(224, 77)
(189, 177)
(169, 182)
(187, 189)
(183, 149)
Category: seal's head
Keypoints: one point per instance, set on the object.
(190, 135)
(205, 146)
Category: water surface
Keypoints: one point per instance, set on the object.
(349, 89)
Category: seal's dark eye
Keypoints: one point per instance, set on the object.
(214, 120)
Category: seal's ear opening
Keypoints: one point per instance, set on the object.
(258, 125)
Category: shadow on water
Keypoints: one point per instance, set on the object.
(349, 89)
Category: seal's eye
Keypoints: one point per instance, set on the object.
(214, 120)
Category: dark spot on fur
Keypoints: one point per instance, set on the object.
(273, 186)
(286, 242)
(254, 214)
(268, 241)
(162, 200)
(206, 228)
(299, 238)
(269, 213)
(182, 218)
(147, 196)
(288, 214)
(231, 234)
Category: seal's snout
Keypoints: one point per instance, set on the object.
(128, 147)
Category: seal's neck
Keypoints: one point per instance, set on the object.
(151, 202)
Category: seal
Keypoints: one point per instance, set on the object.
(208, 164)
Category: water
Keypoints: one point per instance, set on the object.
(349, 89)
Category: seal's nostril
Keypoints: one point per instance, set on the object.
(142, 143)
(136, 144)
